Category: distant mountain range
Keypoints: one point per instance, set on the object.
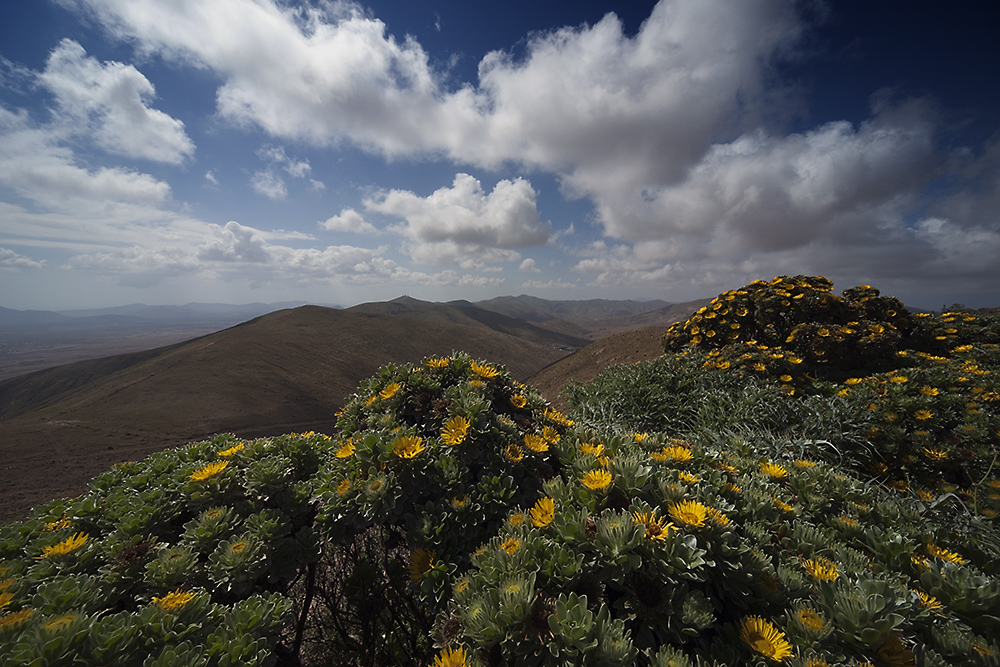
(288, 370)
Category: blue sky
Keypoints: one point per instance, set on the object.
(333, 152)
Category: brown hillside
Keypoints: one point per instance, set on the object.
(286, 371)
(626, 347)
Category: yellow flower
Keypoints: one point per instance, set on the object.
(232, 450)
(677, 453)
(557, 417)
(773, 470)
(408, 446)
(345, 450)
(898, 379)
(451, 658)
(435, 362)
(811, 620)
(689, 512)
(484, 370)
(371, 399)
(929, 602)
(543, 513)
(764, 638)
(58, 525)
(717, 516)
(657, 529)
(455, 430)
(687, 477)
(821, 568)
(934, 454)
(785, 378)
(782, 505)
(421, 561)
(516, 519)
(510, 545)
(390, 390)
(802, 463)
(173, 601)
(59, 622)
(514, 453)
(944, 554)
(852, 381)
(923, 415)
(591, 448)
(518, 400)
(535, 443)
(459, 501)
(343, 487)
(66, 547)
(595, 480)
(550, 434)
(15, 618)
(930, 391)
(210, 470)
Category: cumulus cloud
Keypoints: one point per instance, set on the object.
(348, 220)
(36, 163)
(583, 99)
(11, 260)
(464, 222)
(667, 132)
(108, 101)
(528, 266)
(269, 184)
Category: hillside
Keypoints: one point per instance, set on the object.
(34, 340)
(286, 371)
(626, 347)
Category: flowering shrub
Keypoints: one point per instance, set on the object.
(430, 458)
(803, 479)
(179, 559)
(733, 552)
(920, 393)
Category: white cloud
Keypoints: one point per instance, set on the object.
(463, 222)
(666, 132)
(269, 184)
(35, 163)
(548, 285)
(210, 177)
(589, 102)
(348, 220)
(528, 265)
(108, 102)
(11, 260)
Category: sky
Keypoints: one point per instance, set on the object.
(335, 152)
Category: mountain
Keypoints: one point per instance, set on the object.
(285, 371)
(593, 318)
(534, 309)
(33, 340)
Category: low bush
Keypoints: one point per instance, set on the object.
(802, 479)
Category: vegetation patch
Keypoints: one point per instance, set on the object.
(803, 478)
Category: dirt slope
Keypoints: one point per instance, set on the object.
(285, 371)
